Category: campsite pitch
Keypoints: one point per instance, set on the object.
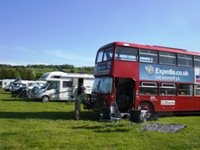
(30, 124)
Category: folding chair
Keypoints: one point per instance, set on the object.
(104, 115)
(138, 117)
(144, 116)
(115, 115)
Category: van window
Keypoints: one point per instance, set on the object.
(53, 85)
(67, 84)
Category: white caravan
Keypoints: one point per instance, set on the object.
(6, 84)
(63, 86)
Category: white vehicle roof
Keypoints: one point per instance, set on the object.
(56, 75)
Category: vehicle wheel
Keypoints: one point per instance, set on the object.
(45, 98)
(147, 106)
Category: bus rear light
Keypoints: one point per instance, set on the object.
(137, 97)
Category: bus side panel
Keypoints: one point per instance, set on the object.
(197, 103)
(185, 103)
(162, 104)
(154, 100)
(126, 69)
(167, 103)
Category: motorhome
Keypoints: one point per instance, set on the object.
(63, 86)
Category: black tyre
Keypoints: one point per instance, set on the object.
(45, 98)
(147, 106)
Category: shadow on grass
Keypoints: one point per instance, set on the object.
(89, 115)
(4, 92)
(112, 129)
(87, 127)
(15, 99)
(104, 129)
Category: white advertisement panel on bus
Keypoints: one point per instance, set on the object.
(166, 73)
(197, 75)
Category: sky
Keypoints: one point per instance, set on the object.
(70, 32)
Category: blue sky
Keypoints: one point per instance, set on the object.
(70, 32)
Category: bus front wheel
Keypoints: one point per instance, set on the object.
(147, 106)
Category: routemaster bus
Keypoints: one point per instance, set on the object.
(155, 78)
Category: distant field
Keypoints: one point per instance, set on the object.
(29, 124)
(76, 70)
(43, 70)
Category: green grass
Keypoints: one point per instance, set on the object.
(28, 124)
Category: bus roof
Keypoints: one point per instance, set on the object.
(154, 47)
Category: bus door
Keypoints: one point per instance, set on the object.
(125, 88)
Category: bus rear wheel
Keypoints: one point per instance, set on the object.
(147, 106)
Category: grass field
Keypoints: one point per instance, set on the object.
(75, 69)
(28, 124)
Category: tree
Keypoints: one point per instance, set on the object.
(29, 72)
(31, 75)
(16, 74)
(22, 72)
(38, 75)
(7, 73)
(72, 71)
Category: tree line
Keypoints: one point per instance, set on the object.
(65, 66)
(18, 72)
(29, 72)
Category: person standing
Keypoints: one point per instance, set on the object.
(81, 89)
(82, 96)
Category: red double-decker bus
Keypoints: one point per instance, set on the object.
(155, 78)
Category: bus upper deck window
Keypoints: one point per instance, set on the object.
(108, 54)
(167, 58)
(99, 56)
(126, 53)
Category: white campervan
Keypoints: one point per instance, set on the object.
(63, 86)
